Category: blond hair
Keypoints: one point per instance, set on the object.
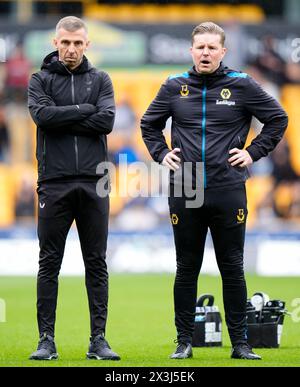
(211, 28)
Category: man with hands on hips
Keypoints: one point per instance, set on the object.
(211, 107)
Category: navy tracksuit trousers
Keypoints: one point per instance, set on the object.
(60, 203)
(224, 212)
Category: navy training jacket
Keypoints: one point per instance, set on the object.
(74, 112)
(211, 114)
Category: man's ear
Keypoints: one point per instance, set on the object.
(87, 44)
(224, 52)
(55, 42)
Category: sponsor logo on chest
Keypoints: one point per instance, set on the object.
(225, 94)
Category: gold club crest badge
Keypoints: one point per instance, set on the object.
(241, 215)
(184, 91)
(225, 93)
(174, 219)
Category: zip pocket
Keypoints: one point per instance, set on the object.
(44, 154)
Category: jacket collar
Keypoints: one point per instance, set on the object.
(221, 71)
(54, 65)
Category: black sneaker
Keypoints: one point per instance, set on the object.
(183, 351)
(46, 349)
(244, 351)
(100, 350)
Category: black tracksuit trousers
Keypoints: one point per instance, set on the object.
(224, 212)
(60, 203)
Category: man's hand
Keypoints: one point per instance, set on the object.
(240, 157)
(171, 160)
(87, 109)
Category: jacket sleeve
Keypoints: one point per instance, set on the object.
(153, 123)
(102, 121)
(269, 112)
(46, 114)
(63, 128)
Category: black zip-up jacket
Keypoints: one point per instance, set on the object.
(73, 111)
(211, 114)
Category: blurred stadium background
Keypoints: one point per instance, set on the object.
(140, 43)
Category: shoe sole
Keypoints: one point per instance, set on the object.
(54, 356)
(181, 357)
(94, 356)
(246, 358)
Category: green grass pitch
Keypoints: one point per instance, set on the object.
(140, 323)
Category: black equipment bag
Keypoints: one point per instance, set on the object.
(265, 325)
(208, 323)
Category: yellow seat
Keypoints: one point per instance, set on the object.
(7, 198)
(290, 100)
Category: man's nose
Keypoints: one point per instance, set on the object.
(71, 48)
(205, 51)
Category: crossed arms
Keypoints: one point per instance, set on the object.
(82, 119)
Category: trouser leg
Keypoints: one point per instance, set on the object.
(54, 221)
(227, 227)
(92, 224)
(189, 236)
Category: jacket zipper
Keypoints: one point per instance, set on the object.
(75, 137)
(204, 92)
(73, 101)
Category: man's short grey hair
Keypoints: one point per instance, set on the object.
(71, 24)
(209, 27)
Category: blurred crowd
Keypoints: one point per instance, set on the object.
(277, 198)
(281, 201)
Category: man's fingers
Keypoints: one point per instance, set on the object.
(237, 158)
(175, 158)
(234, 150)
(233, 158)
(174, 167)
(173, 164)
(240, 158)
(236, 162)
(171, 160)
(168, 162)
(173, 155)
(236, 154)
